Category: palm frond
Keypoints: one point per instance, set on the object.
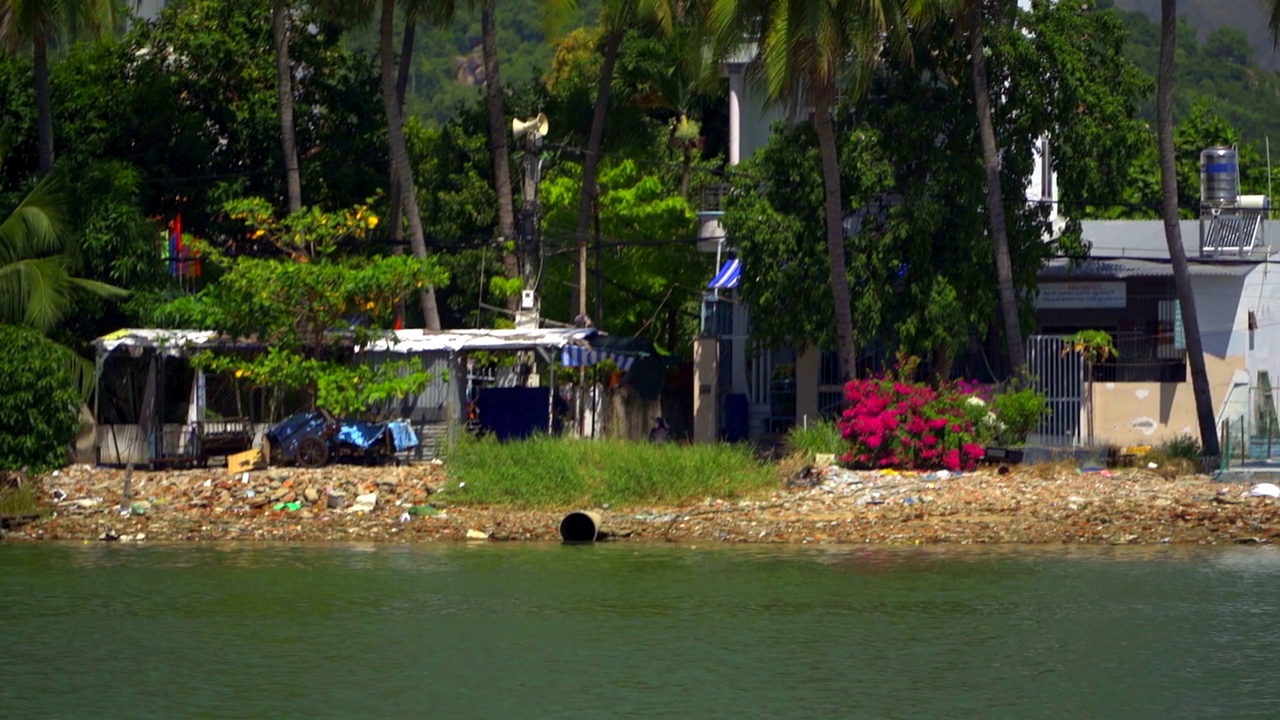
(34, 292)
(37, 226)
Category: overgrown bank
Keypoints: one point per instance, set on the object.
(546, 472)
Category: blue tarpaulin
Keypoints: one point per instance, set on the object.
(581, 356)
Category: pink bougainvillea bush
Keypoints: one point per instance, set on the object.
(891, 423)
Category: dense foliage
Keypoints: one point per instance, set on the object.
(310, 308)
(39, 401)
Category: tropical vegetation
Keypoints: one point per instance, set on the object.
(886, 215)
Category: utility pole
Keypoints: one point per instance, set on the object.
(599, 318)
(527, 225)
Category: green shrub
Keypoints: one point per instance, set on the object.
(546, 471)
(817, 438)
(19, 501)
(38, 401)
(1018, 412)
(1184, 447)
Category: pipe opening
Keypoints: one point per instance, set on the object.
(580, 527)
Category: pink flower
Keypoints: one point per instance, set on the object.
(974, 451)
(951, 460)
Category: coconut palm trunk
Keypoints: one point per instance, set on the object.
(1173, 231)
(995, 192)
(400, 154)
(834, 211)
(521, 262)
(591, 163)
(284, 86)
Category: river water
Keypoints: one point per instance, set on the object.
(624, 631)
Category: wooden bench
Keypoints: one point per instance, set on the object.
(222, 437)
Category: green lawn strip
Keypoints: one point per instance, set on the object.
(544, 472)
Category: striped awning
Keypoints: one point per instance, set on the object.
(729, 275)
(582, 356)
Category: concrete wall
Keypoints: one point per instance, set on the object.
(150, 9)
(1132, 413)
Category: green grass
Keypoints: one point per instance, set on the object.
(819, 437)
(19, 501)
(545, 472)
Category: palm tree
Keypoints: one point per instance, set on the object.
(498, 144)
(995, 192)
(36, 284)
(615, 17)
(37, 24)
(1172, 230)
(284, 83)
(400, 153)
(804, 45)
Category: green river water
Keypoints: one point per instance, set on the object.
(623, 631)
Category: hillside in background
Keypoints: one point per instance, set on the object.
(1209, 15)
(1219, 65)
(447, 64)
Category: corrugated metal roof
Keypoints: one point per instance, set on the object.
(168, 342)
(1137, 238)
(1126, 268)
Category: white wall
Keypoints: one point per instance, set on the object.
(149, 9)
(1261, 294)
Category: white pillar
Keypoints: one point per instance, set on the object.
(735, 114)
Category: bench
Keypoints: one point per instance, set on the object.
(222, 437)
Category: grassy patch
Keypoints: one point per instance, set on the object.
(560, 472)
(819, 437)
(19, 501)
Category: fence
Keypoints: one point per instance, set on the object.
(1253, 436)
(1059, 374)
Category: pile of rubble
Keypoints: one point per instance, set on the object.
(1042, 504)
(344, 502)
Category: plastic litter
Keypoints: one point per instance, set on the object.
(477, 535)
(1265, 490)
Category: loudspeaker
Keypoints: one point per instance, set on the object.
(539, 125)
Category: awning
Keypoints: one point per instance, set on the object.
(166, 342)
(729, 275)
(582, 356)
(453, 341)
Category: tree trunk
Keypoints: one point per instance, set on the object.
(512, 263)
(995, 195)
(400, 155)
(591, 163)
(284, 88)
(840, 297)
(44, 106)
(1173, 232)
(395, 195)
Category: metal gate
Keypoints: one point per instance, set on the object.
(1057, 372)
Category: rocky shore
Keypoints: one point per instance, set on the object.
(1052, 504)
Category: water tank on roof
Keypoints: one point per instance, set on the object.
(1219, 177)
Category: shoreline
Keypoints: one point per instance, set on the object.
(1044, 505)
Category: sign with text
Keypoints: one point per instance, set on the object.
(1080, 295)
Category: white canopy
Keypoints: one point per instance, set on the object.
(169, 342)
(417, 341)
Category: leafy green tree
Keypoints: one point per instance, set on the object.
(804, 47)
(652, 266)
(921, 262)
(38, 401)
(36, 24)
(301, 306)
